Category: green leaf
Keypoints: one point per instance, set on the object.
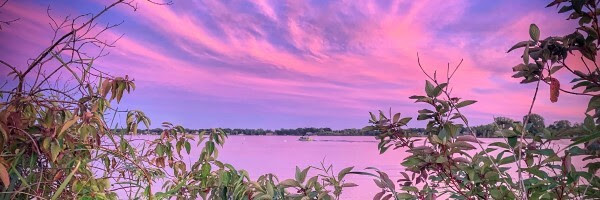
(405, 196)
(441, 159)
(429, 89)
(551, 159)
(289, 183)
(301, 175)
(537, 172)
(545, 152)
(586, 138)
(343, 172)
(410, 162)
(465, 103)
(188, 147)
(512, 141)
(462, 145)
(521, 45)
(565, 9)
(491, 175)
(416, 97)
(159, 150)
(210, 147)
(534, 32)
(425, 111)
(373, 118)
(396, 117)
(205, 170)
(438, 90)
(575, 151)
(405, 120)
(507, 160)
(55, 150)
(500, 144)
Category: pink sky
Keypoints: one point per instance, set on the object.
(287, 64)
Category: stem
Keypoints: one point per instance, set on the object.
(523, 190)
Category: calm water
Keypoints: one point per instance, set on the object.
(280, 154)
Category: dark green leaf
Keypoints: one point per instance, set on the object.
(465, 103)
(534, 32)
(429, 89)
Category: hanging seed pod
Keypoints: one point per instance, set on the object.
(554, 89)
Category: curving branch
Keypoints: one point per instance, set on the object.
(6, 22)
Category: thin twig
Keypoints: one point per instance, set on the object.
(525, 122)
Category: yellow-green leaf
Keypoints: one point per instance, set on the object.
(55, 150)
(68, 125)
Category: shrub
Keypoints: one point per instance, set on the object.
(441, 165)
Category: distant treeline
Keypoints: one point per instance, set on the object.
(296, 131)
(563, 127)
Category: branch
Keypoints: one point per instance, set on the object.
(9, 21)
(49, 49)
(525, 122)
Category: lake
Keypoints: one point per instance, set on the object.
(281, 154)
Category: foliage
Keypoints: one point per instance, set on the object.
(560, 125)
(444, 162)
(461, 167)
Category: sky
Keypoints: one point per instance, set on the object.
(288, 64)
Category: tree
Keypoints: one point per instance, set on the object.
(485, 131)
(560, 125)
(535, 123)
(503, 122)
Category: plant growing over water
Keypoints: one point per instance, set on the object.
(462, 167)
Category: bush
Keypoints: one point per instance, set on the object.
(442, 165)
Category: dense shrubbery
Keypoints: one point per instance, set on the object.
(61, 143)
(442, 165)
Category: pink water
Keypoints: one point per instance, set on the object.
(281, 154)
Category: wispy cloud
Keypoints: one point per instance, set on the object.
(276, 64)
